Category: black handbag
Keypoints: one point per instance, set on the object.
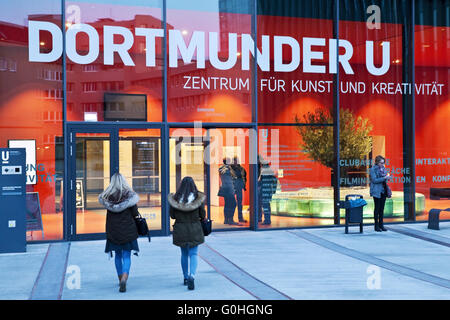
(206, 226)
(142, 227)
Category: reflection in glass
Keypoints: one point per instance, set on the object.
(297, 186)
(92, 177)
(140, 163)
(31, 108)
(219, 91)
(199, 153)
(115, 91)
(432, 63)
(384, 113)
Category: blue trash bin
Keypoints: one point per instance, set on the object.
(353, 205)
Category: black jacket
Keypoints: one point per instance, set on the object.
(226, 175)
(120, 224)
(187, 230)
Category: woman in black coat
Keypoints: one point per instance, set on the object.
(121, 231)
(187, 207)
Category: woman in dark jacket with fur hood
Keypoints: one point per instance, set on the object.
(187, 207)
(121, 231)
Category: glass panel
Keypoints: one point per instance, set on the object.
(187, 147)
(122, 80)
(229, 173)
(301, 193)
(299, 79)
(92, 177)
(296, 92)
(197, 152)
(31, 111)
(140, 163)
(209, 84)
(432, 107)
(187, 154)
(374, 105)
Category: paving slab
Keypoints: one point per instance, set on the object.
(417, 254)
(423, 227)
(248, 265)
(20, 270)
(156, 274)
(304, 270)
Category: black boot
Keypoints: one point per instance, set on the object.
(190, 283)
(376, 225)
(380, 223)
(123, 282)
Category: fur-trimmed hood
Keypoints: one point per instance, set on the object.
(187, 206)
(131, 200)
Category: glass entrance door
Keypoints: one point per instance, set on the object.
(200, 153)
(95, 155)
(92, 175)
(140, 163)
(229, 160)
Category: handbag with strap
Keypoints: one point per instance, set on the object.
(142, 227)
(206, 226)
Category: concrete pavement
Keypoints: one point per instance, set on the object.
(407, 262)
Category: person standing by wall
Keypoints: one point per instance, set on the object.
(121, 231)
(239, 182)
(268, 186)
(379, 190)
(187, 207)
(226, 191)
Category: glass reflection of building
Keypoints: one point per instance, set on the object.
(90, 107)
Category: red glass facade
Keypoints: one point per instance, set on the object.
(135, 78)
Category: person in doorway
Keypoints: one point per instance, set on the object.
(226, 191)
(267, 184)
(239, 183)
(121, 231)
(379, 190)
(187, 207)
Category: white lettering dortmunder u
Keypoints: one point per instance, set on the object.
(304, 55)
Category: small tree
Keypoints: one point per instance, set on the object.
(354, 139)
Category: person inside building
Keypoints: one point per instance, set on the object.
(379, 190)
(120, 202)
(267, 186)
(239, 183)
(226, 191)
(187, 207)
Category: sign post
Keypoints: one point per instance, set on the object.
(12, 200)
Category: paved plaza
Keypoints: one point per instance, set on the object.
(409, 261)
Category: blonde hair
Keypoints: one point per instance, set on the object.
(117, 189)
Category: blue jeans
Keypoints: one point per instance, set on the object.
(192, 255)
(123, 261)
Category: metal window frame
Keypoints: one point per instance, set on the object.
(165, 126)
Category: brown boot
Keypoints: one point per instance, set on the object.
(123, 282)
(120, 278)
